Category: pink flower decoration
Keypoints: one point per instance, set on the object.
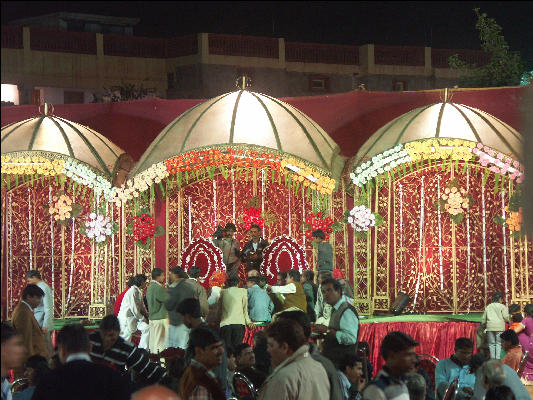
(513, 175)
(516, 164)
(520, 179)
(508, 161)
(504, 170)
(479, 146)
(475, 151)
(486, 149)
(494, 169)
(491, 152)
(500, 156)
(484, 162)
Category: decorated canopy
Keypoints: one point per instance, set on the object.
(443, 120)
(59, 138)
(245, 119)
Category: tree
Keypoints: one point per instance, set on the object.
(505, 67)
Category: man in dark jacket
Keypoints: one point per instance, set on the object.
(252, 252)
(78, 378)
(181, 289)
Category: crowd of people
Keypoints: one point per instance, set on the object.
(294, 340)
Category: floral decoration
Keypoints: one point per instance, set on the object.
(204, 254)
(309, 176)
(99, 227)
(318, 220)
(253, 215)
(436, 149)
(141, 182)
(63, 209)
(440, 149)
(361, 218)
(513, 220)
(31, 166)
(499, 163)
(84, 175)
(455, 201)
(380, 164)
(144, 229)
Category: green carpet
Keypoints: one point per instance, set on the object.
(473, 317)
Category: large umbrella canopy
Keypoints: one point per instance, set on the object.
(244, 118)
(443, 120)
(62, 138)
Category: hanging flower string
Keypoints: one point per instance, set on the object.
(455, 201)
(144, 229)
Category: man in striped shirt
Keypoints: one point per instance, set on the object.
(110, 349)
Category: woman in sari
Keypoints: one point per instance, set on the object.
(525, 336)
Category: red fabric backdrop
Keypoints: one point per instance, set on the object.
(435, 338)
(349, 118)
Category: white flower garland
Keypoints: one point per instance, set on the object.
(380, 164)
(85, 176)
(141, 182)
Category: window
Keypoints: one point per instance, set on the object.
(318, 83)
(399, 86)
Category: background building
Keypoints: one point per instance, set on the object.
(67, 57)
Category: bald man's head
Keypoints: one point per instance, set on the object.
(155, 392)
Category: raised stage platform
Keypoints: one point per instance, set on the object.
(436, 333)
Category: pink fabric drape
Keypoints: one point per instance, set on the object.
(435, 338)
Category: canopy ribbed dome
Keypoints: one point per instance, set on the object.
(245, 118)
(444, 120)
(52, 134)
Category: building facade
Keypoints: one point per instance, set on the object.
(56, 66)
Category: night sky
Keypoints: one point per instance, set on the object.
(437, 24)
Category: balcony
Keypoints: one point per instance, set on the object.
(399, 55)
(243, 46)
(131, 46)
(12, 37)
(64, 42)
(321, 53)
(182, 46)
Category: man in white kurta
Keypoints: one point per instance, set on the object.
(132, 314)
(44, 312)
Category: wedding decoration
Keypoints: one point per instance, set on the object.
(318, 220)
(455, 201)
(62, 209)
(253, 215)
(203, 253)
(140, 183)
(380, 164)
(99, 227)
(448, 149)
(282, 254)
(513, 220)
(499, 163)
(361, 218)
(144, 229)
